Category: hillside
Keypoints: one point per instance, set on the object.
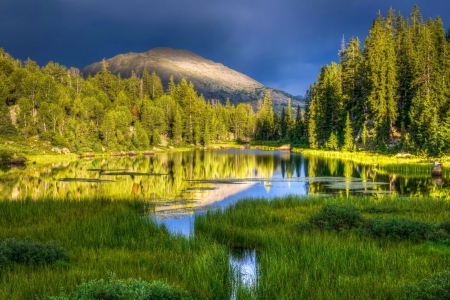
(213, 80)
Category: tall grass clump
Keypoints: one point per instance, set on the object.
(337, 217)
(29, 252)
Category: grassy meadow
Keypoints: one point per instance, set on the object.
(103, 237)
(295, 259)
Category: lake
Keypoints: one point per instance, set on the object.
(179, 185)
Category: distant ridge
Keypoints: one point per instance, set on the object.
(213, 80)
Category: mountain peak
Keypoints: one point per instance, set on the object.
(212, 79)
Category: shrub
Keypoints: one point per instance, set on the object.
(401, 229)
(26, 251)
(130, 289)
(437, 287)
(337, 217)
(376, 209)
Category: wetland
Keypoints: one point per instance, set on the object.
(226, 224)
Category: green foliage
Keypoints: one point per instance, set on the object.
(399, 229)
(333, 142)
(129, 289)
(29, 252)
(348, 135)
(350, 265)
(337, 217)
(434, 288)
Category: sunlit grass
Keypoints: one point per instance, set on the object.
(296, 264)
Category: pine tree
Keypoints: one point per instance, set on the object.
(348, 135)
(283, 123)
(141, 140)
(381, 61)
(177, 127)
(6, 126)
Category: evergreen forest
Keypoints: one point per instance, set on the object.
(392, 94)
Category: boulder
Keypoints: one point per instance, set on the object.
(437, 170)
(403, 155)
(286, 147)
(241, 147)
(89, 154)
(132, 153)
(65, 150)
(57, 150)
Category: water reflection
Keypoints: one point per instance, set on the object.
(178, 184)
(244, 266)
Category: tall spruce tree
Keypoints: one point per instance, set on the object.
(382, 64)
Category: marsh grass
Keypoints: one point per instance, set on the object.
(103, 236)
(315, 264)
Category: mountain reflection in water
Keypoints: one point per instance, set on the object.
(180, 184)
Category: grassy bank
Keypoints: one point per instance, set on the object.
(101, 237)
(296, 260)
(326, 264)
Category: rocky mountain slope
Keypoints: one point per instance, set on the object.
(213, 80)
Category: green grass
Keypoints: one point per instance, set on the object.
(102, 236)
(326, 264)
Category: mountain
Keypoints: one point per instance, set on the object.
(213, 80)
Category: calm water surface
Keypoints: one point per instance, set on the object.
(180, 185)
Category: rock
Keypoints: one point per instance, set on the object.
(286, 147)
(66, 150)
(132, 153)
(241, 147)
(123, 153)
(89, 154)
(57, 150)
(215, 147)
(403, 155)
(16, 161)
(147, 153)
(170, 147)
(437, 170)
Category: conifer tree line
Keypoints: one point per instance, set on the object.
(393, 92)
(107, 112)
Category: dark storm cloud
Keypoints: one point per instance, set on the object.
(282, 44)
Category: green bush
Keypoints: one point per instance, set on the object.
(401, 229)
(435, 288)
(28, 252)
(376, 209)
(130, 289)
(337, 217)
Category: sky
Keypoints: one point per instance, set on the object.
(280, 43)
